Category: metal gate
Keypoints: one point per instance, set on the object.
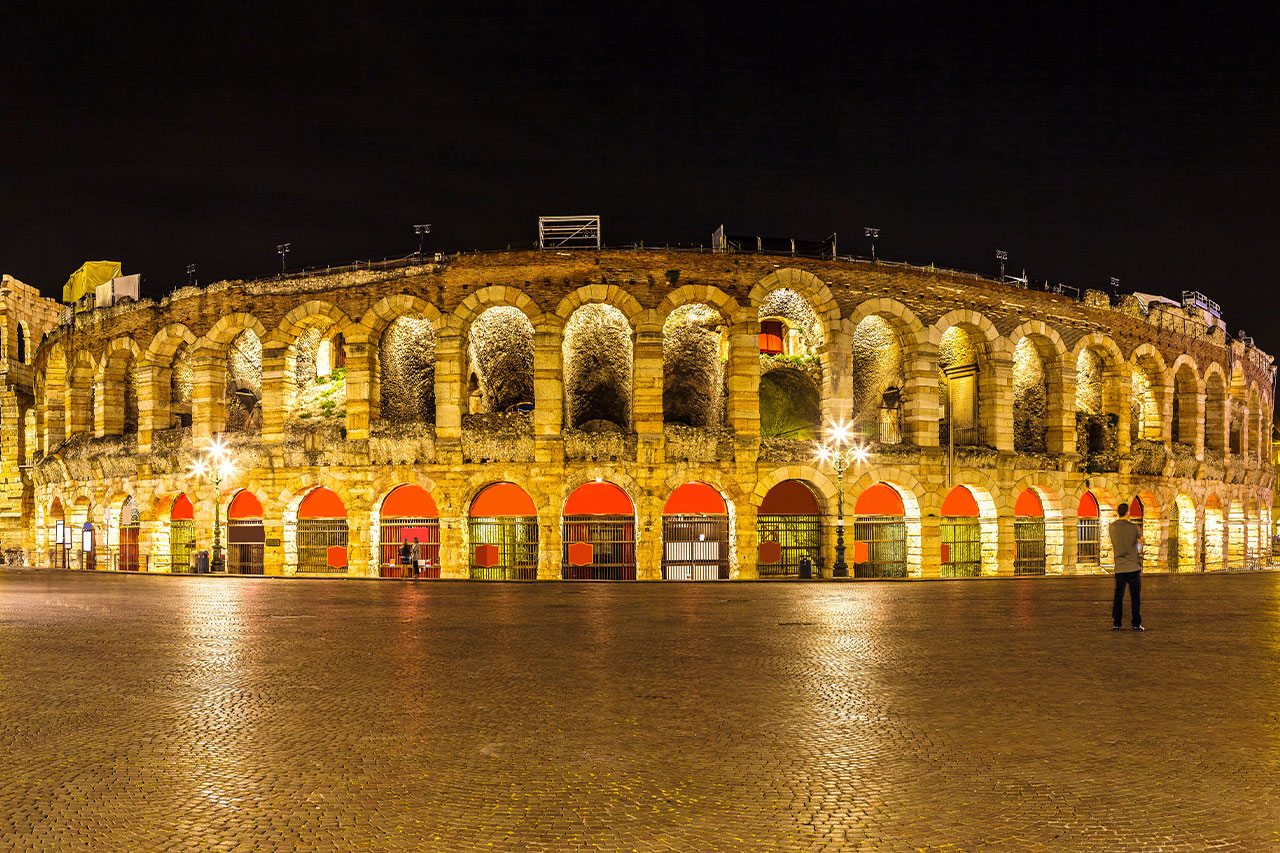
(695, 547)
(182, 542)
(613, 547)
(1028, 540)
(393, 532)
(315, 537)
(246, 538)
(797, 534)
(963, 540)
(1089, 542)
(886, 539)
(516, 538)
(128, 546)
(1174, 564)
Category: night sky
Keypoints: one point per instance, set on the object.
(1101, 139)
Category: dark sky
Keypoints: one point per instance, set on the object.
(1101, 139)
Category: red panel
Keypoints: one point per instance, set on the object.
(322, 503)
(946, 552)
(1088, 506)
(598, 499)
(423, 534)
(409, 502)
(1028, 505)
(790, 497)
(487, 556)
(581, 554)
(770, 552)
(502, 500)
(245, 505)
(336, 556)
(879, 499)
(695, 499)
(1135, 508)
(182, 509)
(771, 337)
(960, 504)
(861, 552)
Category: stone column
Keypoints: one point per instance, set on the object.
(273, 562)
(646, 395)
(548, 392)
(745, 542)
(455, 557)
(649, 539)
(449, 388)
(1006, 546)
(996, 413)
(1060, 424)
(79, 415)
(743, 380)
(1069, 531)
(550, 547)
(279, 391)
(153, 402)
(108, 410)
(930, 546)
(360, 385)
(1116, 396)
(921, 392)
(208, 395)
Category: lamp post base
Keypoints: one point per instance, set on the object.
(840, 569)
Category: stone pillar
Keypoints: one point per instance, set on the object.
(153, 402)
(79, 415)
(996, 413)
(108, 410)
(1006, 546)
(930, 546)
(1060, 424)
(361, 561)
(455, 556)
(921, 392)
(279, 391)
(743, 380)
(449, 388)
(744, 542)
(646, 395)
(360, 385)
(548, 387)
(1116, 396)
(1069, 530)
(837, 391)
(550, 548)
(273, 562)
(208, 396)
(649, 539)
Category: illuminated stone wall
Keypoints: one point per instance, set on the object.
(408, 368)
(692, 372)
(598, 369)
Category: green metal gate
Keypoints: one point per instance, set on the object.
(1028, 540)
(516, 538)
(886, 539)
(797, 535)
(182, 542)
(963, 538)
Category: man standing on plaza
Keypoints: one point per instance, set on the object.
(1126, 545)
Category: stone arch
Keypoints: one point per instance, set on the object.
(1150, 392)
(978, 485)
(80, 394)
(118, 388)
(806, 284)
(290, 499)
(1213, 536)
(498, 365)
(606, 294)
(51, 387)
(910, 492)
(301, 334)
(1102, 378)
(1184, 407)
(968, 347)
(691, 294)
(1215, 409)
(1039, 390)
(1153, 518)
(598, 351)
(227, 328)
(825, 487)
(404, 332)
(481, 300)
(695, 337)
(1051, 506)
(1182, 554)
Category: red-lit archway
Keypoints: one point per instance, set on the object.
(128, 558)
(246, 534)
(1088, 532)
(182, 535)
(1028, 534)
(879, 533)
(503, 526)
(961, 530)
(409, 517)
(322, 533)
(599, 534)
(57, 533)
(695, 534)
(788, 528)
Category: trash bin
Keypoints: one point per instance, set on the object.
(202, 562)
(806, 566)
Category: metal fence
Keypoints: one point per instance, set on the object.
(886, 540)
(1028, 540)
(182, 543)
(315, 537)
(613, 547)
(797, 535)
(392, 534)
(889, 425)
(1089, 542)
(695, 547)
(963, 538)
(246, 540)
(516, 539)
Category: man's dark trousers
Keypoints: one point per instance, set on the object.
(1133, 580)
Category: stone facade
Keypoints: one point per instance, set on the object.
(430, 387)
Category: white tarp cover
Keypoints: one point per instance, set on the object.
(114, 290)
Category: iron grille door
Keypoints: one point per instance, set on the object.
(246, 540)
(1028, 539)
(182, 542)
(613, 544)
(797, 534)
(1088, 542)
(886, 538)
(516, 539)
(695, 547)
(315, 537)
(392, 534)
(963, 536)
(129, 547)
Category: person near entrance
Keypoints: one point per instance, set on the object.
(1126, 545)
(405, 558)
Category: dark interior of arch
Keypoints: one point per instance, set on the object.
(501, 353)
(790, 406)
(407, 371)
(598, 369)
(692, 372)
(1030, 399)
(181, 384)
(244, 383)
(130, 388)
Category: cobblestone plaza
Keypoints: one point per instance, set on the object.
(238, 714)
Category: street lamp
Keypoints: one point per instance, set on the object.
(422, 231)
(1002, 256)
(839, 451)
(871, 234)
(215, 467)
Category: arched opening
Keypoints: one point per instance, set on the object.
(322, 533)
(409, 517)
(182, 534)
(1097, 411)
(246, 534)
(243, 393)
(331, 355)
(695, 534)
(119, 384)
(598, 369)
(694, 354)
(1182, 427)
(1236, 555)
(1144, 406)
(127, 555)
(790, 404)
(1088, 533)
(23, 347)
(962, 367)
(314, 395)
(599, 534)
(1215, 412)
(1211, 542)
(181, 384)
(788, 325)
(961, 530)
(878, 376)
(500, 352)
(1030, 399)
(88, 547)
(788, 528)
(81, 403)
(1182, 535)
(59, 539)
(503, 527)
(1028, 534)
(407, 372)
(879, 533)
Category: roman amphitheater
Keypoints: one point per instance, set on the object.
(630, 414)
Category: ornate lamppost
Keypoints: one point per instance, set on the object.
(839, 451)
(215, 467)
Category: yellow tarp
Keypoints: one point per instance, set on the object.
(89, 276)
